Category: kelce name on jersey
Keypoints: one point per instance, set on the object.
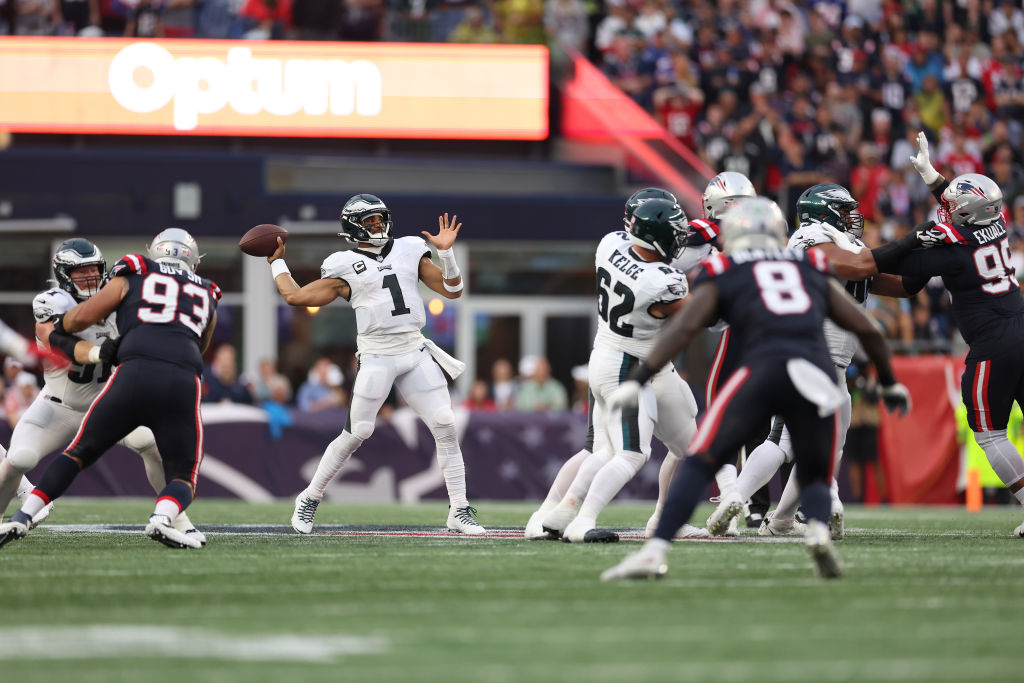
(625, 264)
(171, 270)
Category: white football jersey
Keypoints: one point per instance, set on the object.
(689, 257)
(626, 288)
(385, 287)
(841, 344)
(77, 385)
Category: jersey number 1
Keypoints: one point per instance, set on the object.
(391, 283)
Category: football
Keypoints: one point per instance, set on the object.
(262, 240)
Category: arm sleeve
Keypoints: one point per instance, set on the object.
(937, 192)
(924, 263)
(913, 284)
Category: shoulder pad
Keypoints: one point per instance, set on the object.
(809, 235)
(51, 303)
(946, 233)
(130, 264)
(704, 230)
(337, 265)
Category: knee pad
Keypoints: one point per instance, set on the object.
(24, 459)
(362, 429)
(443, 417)
(634, 459)
(139, 439)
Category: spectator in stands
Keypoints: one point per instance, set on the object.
(263, 19)
(145, 19)
(259, 384)
(74, 16)
(521, 21)
(479, 398)
(34, 17)
(474, 28)
(19, 397)
(12, 368)
(867, 180)
(220, 380)
(322, 389)
(503, 384)
(538, 391)
(624, 68)
(315, 19)
(276, 405)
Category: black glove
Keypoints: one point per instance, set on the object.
(896, 398)
(108, 350)
(928, 236)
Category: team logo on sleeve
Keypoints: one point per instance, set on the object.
(359, 267)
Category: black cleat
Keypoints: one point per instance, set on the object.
(553, 533)
(600, 536)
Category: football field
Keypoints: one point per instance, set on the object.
(930, 594)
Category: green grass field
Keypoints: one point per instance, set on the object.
(930, 594)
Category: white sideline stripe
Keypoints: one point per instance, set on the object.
(96, 641)
(234, 481)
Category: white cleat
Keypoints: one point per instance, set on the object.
(643, 564)
(183, 524)
(535, 528)
(161, 531)
(559, 518)
(730, 507)
(41, 516)
(12, 531)
(462, 521)
(819, 546)
(690, 531)
(835, 524)
(1019, 531)
(577, 530)
(305, 511)
(781, 527)
(652, 525)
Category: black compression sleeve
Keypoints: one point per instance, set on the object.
(913, 285)
(888, 255)
(65, 342)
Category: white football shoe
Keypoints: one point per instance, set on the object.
(41, 516)
(645, 563)
(534, 530)
(730, 507)
(818, 539)
(461, 520)
(1019, 531)
(781, 527)
(305, 511)
(559, 518)
(160, 530)
(12, 531)
(183, 524)
(690, 531)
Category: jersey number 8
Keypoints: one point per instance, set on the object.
(782, 288)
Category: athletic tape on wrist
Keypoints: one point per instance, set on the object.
(449, 268)
(279, 267)
(454, 288)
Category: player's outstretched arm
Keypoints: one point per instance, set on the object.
(317, 293)
(847, 264)
(849, 315)
(96, 308)
(922, 163)
(446, 280)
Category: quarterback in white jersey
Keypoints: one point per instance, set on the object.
(57, 412)
(637, 292)
(830, 224)
(380, 275)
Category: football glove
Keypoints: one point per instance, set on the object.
(841, 239)
(627, 395)
(922, 162)
(928, 235)
(108, 350)
(896, 398)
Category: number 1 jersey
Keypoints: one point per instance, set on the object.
(627, 287)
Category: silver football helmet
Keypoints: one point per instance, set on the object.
(753, 223)
(723, 191)
(75, 253)
(177, 247)
(971, 199)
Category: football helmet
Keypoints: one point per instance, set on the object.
(830, 204)
(176, 247)
(754, 223)
(661, 226)
(723, 191)
(75, 253)
(356, 210)
(971, 199)
(641, 196)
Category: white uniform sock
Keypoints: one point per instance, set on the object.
(789, 501)
(1003, 457)
(760, 467)
(726, 479)
(610, 480)
(588, 470)
(449, 457)
(334, 458)
(666, 475)
(167, 507)
(564, 479)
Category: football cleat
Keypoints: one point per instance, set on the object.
(12, 531)
(183, 524)
(690, 531)
(835, 524)
(599, 536)
(643, 564)
(160, 530)
(781, 527)
(754, 520)
(535, 531)
(819, 546)
(41, 516)
(729, 508)
(305, 511)
(1019, 531)
(558, 519)
(652, 525)
(462, 521)
(578, 528)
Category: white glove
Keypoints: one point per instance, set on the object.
(627, 395)
(896, 399)
(922, 162)
(841, 239)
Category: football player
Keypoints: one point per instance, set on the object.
(828, 224)
(165, 315)
(785, 369)
(380, 275)
(79, 270)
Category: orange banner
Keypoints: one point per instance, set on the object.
(273, 88)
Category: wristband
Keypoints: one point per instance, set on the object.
(94, 354)
(454, 288)
(279, 267)
(449, 268)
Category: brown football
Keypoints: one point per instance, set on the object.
(262, 240)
